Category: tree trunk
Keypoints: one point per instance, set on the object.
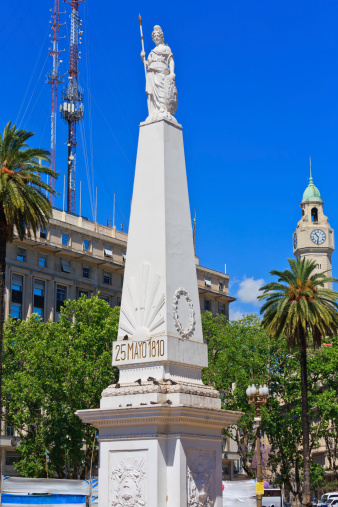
(305, 423)
(3, 243)
(297, 492)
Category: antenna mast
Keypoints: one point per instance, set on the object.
(54, 78)
(72, 107)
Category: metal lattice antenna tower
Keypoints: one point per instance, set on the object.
(54, 78)
(72, 107)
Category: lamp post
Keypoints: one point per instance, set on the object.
(258, 398)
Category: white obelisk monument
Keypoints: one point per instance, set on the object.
(160, 427)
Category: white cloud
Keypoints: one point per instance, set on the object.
(249, 290)
(235, 314)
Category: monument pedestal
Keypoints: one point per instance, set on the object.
(160, 427)
(160, 455)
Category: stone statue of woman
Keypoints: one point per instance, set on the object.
(160, 79)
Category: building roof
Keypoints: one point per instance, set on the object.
(311, 193)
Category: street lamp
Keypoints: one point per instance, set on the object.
(258, 398)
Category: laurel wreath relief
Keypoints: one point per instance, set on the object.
(189, 331)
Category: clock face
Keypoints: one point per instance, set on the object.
(295, 241)
(318, 236)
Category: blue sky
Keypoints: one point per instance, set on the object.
(257, 85)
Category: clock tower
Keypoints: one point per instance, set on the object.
(314, 238)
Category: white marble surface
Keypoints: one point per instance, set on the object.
(147, 393)
(160, 456)
(160, 427)
(160, 311)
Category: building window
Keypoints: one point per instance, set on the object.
(12, 458)
(83, 292)
(207, 281)
(65, 266)
(107, 278)
(61, 296)
(118, 301)
(108, 251)
(314, 215)
(42, 261)
(85, 272)
(9, 430)
(124, 255)
(221, 286)
(39, 298)
(43, 233)
(221, 308)
(16, 297)
(16, 311)
(320, 460)
(21, 254)
(86, 245)
(207, 305)
(237, 467)
(65, 239)
(105, 298)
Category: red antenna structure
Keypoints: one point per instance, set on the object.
(54, 78)
(72, 106)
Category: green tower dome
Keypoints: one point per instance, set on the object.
(311, 193)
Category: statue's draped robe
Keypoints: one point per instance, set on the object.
(158, 69)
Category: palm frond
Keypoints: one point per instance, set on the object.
(300, 303)
(24, 206)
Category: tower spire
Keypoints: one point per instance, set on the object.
(310, 169)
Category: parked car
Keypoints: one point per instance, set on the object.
(334, 503)
(327, 498)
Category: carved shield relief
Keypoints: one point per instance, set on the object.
(170, 92)
(127, 478)
(201, 478)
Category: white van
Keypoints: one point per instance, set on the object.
(327, 499)
(272, 498)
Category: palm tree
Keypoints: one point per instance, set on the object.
(23, 206)
(302, 309)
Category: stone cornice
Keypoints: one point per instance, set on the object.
(162, 388)
(147, 436)
(157, 415)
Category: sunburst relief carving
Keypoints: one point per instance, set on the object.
(142, 313)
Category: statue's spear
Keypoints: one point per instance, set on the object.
(141, 31)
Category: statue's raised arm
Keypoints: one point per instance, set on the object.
(160, 79)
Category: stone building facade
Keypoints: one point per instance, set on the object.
(74, 256)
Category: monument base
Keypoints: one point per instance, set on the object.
(160, 455)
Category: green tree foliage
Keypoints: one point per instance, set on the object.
(50, 371)
(24, 207)
(297, 306)
(324, 369)
(241, 353)
(282, 419)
